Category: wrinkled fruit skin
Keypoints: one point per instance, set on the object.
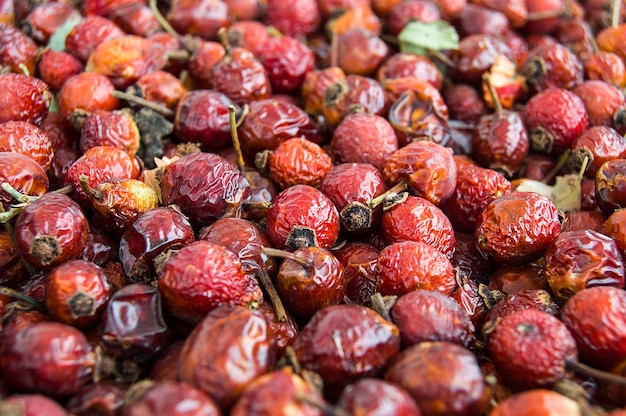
(175, 399)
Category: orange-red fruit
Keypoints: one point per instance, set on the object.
(110, 128)
(24, 98)
(537, 402)
(27, 139)
(298, 161)
(202, 276)
(23, 174)
(55, 67)
(86, 91)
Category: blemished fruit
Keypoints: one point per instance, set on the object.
(312, 207)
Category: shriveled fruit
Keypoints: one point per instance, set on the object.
(24, 98)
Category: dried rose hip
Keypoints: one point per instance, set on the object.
(552, 66)
(579, 259)
(286, 61)
(408, 265)
(342, 96)
(50, 231)
(55, 67)
(530, 348)
(364, 138)
(344, 343)
(23, 174)
(205, 186)
(426, 315)
(428, 168)
(373, 396)
(599, 144)
(443, 378)
(609, 189)
(279, 392)
(468, 260)
(202, 276)
(172, 398)
(228, 337)
(49, 358)
(359, 262)
(554, 118)
(537, 402)
(508, 230)
(302, 216)
(133, 325)
(77, 293)
(417, 219)
(110, 128)
(159, 87)
(28, 139)
(203, 18)
(585, 314)
(296, 18)
(104, 398)
(31, 405)
(309, 280)
(46, 18)
(89, 33)
(24, 98)
(87, 91)
(18, 52)
(298, 161)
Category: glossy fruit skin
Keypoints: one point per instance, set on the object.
(298, 161)
(464, 103)
(98, 164)
(89, 33)
(110, 128)
(428, 167)
(298, 210)
(241, 77)
(475, 19)
(50, 231)
(476, 54)
(508, 230)
(17, 50)
(606, 66)
(404, 64)
(610, 186)
(417, 219)
(314, 87)
(443, 378)
(600, 144)
(133, 325)
(297, 18)
(28, 139)
(598, 345)
(172, 398)
(602, 100)
(540, 402)
(31, 405)
(501, 142)
(202, 276)
(106, 397)
(276, 393)
(205, 186)
(359, 263)
(23, 174)
(470, 262)
(55, 67)
(613, 226)
(160, 87)
(287, 61)
(228, 336)
(88, 91)
(202, 117)
(373, 396)
(364, 138)
(353, 90)
(352, 185)
(25, 98)
(579, 259)
(155, 232)
(361, 334)
(552, 66)
(530, 348)
(306, 290)
(554, 118)
(475, 188)
(77, 293)
(408, 265)
(425, 315)
(202, 19)
(47, 18)
(414, 10)
(360, 51)
(244, 238)
(50, 358)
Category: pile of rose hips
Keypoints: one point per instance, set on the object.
(266, 207)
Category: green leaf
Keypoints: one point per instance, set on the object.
(420, 37)
(565, 193)
(57, 40)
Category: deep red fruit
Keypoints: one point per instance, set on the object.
(508, 230)
(409, 11)
(159, 87)
(579, 259)
(374, 396)
(302, 216)
(89, 33)
(18, 52)
(203, 18)
(443, 378)
(552, 66)
(205, 187)
(554, 118)
(530, 348)
(202, 276)
(104, 396)
(172, 398)
(344, 343)
(23, 174)
(77, 293)
(402, 64)
(417, 219)
(49, 358)
(604, 102)
(228, 337)
(278, 392)
(132, 325)
(341, 98)
(600, 345)
(287, 61)
(408, 265)
(364, 138)
(51, 231)
(425, 315)
(24, 98)
(313, 282)
(476, 54)
(360, 51)
(55, 67)
(598, 143)
(298, 161)
(464, 103)
(540, 402)
(295, 18)
(31, 405)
